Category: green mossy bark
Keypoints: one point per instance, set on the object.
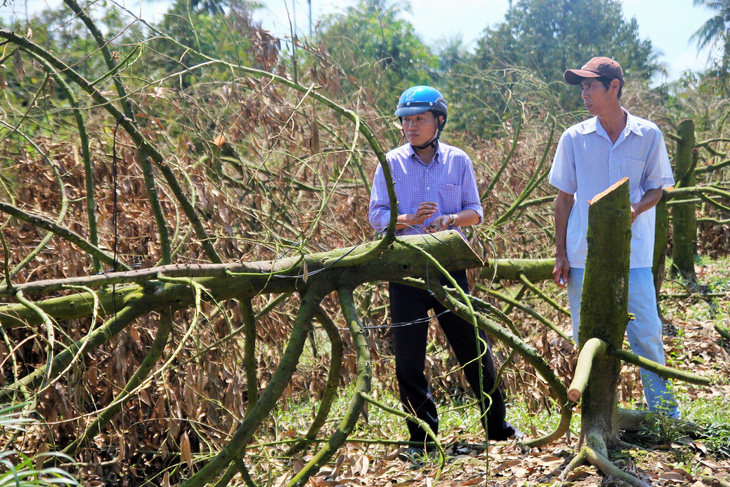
(249, 352)
(589, 353)
(604, 309)
(511, 269)
(661, 238)
(684, 219)
(226, 281)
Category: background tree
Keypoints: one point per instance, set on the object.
(716, 31)
(223, 29)
(378, 54)
(451, 52)
(547, 37)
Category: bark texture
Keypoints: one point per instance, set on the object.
(661, 238)
(684, 229)
(604, 309)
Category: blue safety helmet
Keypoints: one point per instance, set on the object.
(419, 99)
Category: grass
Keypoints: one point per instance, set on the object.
(458, 420)
(18, 469)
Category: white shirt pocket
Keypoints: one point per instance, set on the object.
(634, 170)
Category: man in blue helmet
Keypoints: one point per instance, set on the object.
(436, 190)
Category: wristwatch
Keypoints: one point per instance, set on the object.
(453, 219)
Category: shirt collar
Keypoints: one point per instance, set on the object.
(438, 157)
(632, 125)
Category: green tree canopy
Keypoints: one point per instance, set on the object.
(376, 50)
(550, 36)
(222, 29)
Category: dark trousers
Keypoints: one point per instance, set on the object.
(408, 304)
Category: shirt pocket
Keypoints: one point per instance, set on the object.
(634, 170)
(450, 196)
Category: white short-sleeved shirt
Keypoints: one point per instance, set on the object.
(587, 163)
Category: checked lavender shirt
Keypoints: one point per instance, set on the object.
(449, 181)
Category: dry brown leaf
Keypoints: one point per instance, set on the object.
(219, 140)
(474, 481)
(507, 465)
(281, 480)
(520, 472)
(577, 475)
(549, 460)
(361, 466)
(683, 473)
(185, 452)
(348, 481)
(290, 433)
(672, 476)
(145, 397)
(164, 451)
(709, 464)
(338, 465)
(297, 466)
(18, 65)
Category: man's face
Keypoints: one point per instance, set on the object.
(596, 98)
(420, 128)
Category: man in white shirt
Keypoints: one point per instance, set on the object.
(591, 156)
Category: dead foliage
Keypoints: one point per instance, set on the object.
(273, 174)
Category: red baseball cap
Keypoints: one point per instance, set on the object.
(598, 67)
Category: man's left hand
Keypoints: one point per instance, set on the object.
(438, 224)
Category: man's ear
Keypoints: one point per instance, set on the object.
(615, 84)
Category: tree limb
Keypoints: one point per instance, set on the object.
(661, 370)
(592, 348)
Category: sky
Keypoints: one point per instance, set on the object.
(669, 24)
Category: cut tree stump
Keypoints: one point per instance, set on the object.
(603, 320)
(604, 308)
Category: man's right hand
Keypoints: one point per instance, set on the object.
(563, 206)
(425, 211)
(561, 270)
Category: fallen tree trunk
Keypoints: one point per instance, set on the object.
(151, 287)
(512, 269)
(165, 288)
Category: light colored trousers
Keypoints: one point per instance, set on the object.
(644, 332)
